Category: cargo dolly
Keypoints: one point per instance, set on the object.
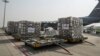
(40, 43)
(37, 43)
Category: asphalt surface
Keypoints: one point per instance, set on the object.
(7, 48)
(11, 47)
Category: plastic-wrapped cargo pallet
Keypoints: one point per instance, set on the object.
(12, 27)
(70, 28)
(27, 29)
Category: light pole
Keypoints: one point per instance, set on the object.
(5, 1)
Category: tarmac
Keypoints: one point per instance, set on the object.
(11, 47)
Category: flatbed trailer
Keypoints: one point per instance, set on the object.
(36, 43)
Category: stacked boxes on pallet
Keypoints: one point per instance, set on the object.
(15, 27)
(71, 28)
(12, 27)
(27, 29)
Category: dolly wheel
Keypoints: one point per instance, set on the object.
(25, 44)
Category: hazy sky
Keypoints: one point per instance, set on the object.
(45, 10)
